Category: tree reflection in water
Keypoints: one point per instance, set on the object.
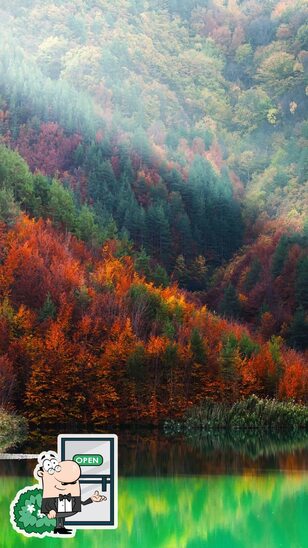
(220, 490)
(152, 453)
(189, 512)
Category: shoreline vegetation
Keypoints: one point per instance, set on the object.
(251, 413)
(238, 421)
(13, 430)
(252, 443)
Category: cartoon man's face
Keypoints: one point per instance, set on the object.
(59, 477)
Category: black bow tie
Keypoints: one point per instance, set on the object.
(67, 497)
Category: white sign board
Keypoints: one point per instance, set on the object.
(97, 456)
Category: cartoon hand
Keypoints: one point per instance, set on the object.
(52, 514)
(97, 497)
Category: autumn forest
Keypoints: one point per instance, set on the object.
(153, 207)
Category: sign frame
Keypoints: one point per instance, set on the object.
(110, 479)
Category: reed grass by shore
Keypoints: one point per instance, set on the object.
(252, 412)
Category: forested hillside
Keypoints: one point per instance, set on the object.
(153, 168)
(85, 340)
(176, 76)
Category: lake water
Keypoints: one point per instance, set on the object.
(220, 491)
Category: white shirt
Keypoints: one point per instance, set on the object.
(65, 505)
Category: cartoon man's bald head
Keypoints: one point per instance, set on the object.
(57, 477)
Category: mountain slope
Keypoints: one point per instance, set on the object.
(85, 340)
(153, 167)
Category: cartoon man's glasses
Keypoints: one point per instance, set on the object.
(53, 470)
(51, 466)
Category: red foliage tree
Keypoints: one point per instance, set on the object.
(49, 150)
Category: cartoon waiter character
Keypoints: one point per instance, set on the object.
(61, 489)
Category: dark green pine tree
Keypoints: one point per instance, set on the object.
(201, 183)
(41, 186)
(134, 221)
(105, 147)
(48, 310)
(158, 193)
(198, 274)
(280, 256)
(226, 226)
(79, 155)
(303, 166)
(214, 215)
(227, 359)
(253, 275)
(159, 276)
(143, 263)
(9, 209)
(102, 184)
(157, 234)
(298, 331)
(301, 283)
(173, 180)
(108, 176)
(181, 227)
(136, 363)
(124, 196)
(197, 346)
(126, 169)
(230, 305)
(202, 176)
(141, 146)
(87, 228)
(176, 205)
(247, 347)
(219, 223)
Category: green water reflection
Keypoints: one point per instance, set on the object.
(263, 510)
